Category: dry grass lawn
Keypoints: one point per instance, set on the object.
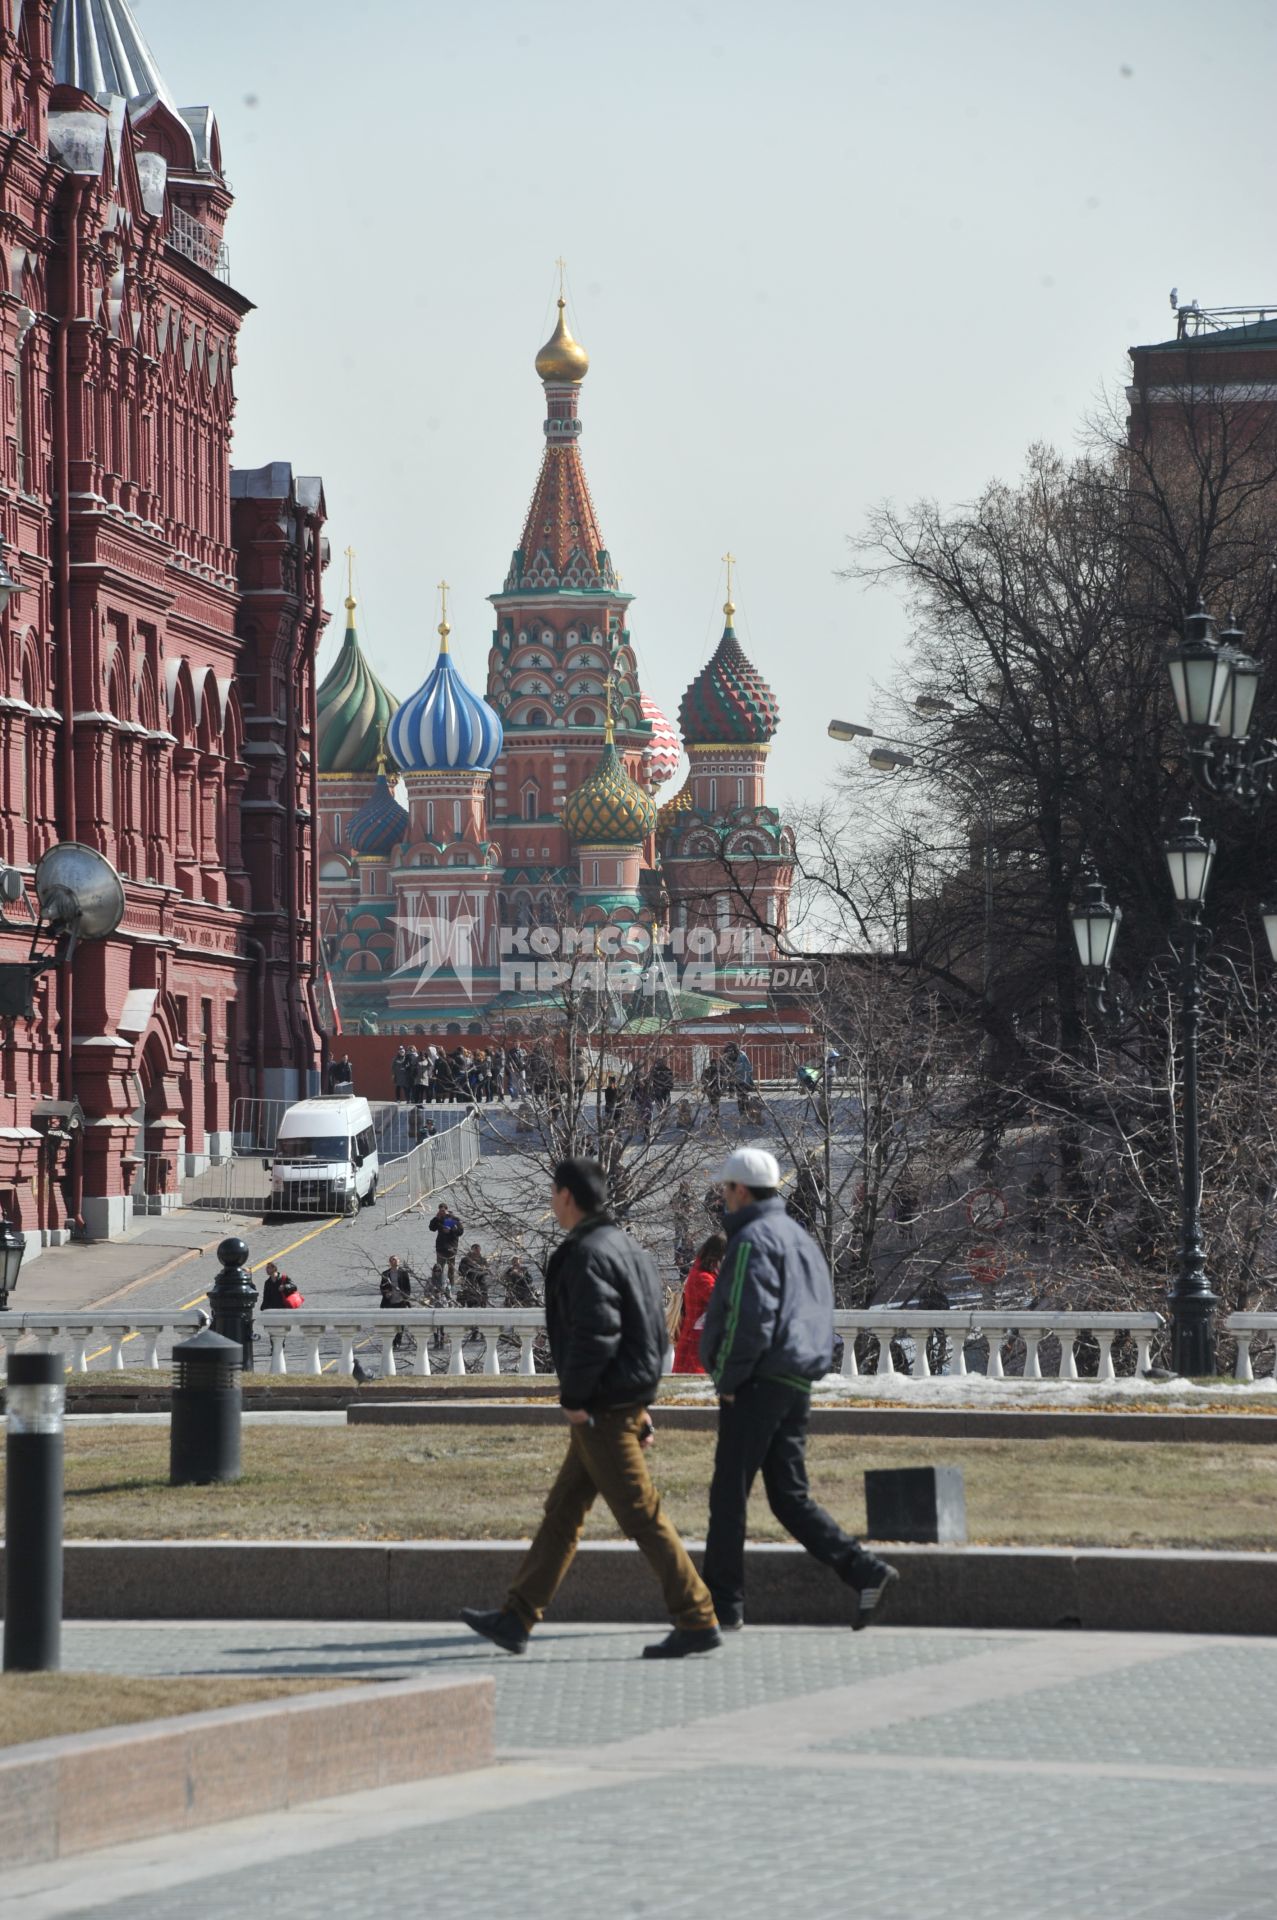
(466, 1482)
(40, 1706)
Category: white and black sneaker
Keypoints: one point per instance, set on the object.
(872, 1580)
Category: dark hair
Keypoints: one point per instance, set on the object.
(710, 1252)
(763, 1193)
(586, 1181)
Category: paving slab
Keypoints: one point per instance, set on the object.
(800, 1774)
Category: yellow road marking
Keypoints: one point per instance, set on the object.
(188, 1304)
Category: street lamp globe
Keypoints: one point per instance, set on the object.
(1268, 914)
(1189, 858)
(1243, 685)
(1200, 670)
(1095, 925)
(887, 760)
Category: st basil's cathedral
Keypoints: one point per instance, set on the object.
(535, 805)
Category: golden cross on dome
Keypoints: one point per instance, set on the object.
(608, 732)
(728, 605)
(562, 265)
(444, 628)
(382, 764)
(350, 577)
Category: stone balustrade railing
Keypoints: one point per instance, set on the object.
(1245, 1328)
(353, 1326)
(901, 1333)
(76, 1333)
(997, 1326)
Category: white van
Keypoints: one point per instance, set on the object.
(325, 1156)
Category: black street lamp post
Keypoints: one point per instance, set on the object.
(1095, 924)
(1214, 681)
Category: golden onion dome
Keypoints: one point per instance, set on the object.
(562, 360)
(681, 802)
(609, 809)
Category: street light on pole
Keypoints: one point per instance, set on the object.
(1189, 858)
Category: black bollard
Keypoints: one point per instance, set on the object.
(35, 1399)
(204, 1434)
(232, 1297)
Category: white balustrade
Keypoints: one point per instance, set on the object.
(1245, 1328)
(87, 1335)
(959, 1326)
(377, 1328)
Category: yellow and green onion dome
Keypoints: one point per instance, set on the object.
(353, 708)
(678, 803)
(609, 809)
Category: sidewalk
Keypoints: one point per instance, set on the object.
(95, 1272)
(800, 1774)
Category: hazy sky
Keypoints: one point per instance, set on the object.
(820, 254)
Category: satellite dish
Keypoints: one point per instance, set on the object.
(79, 891)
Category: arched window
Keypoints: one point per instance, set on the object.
(531, 803)
(537, 718)
(586, 717)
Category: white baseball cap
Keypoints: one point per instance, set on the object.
(750, 1167)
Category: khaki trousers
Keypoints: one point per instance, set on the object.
(607, 1458)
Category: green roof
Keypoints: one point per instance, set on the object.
(1251, 333)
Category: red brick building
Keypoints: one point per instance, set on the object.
(156, 683)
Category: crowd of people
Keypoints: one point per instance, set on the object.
(457, 1278)
(433, 1075)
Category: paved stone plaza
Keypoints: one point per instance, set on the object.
(897, 1775)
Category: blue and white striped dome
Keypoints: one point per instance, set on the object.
(444, 725)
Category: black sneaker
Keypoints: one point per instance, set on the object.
(682, 1641)
(873, 1580)
(505, 1630)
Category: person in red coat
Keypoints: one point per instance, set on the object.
(697, 1289)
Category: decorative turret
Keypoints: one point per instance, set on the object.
(444, 727)
(354, 708)
(562, 546)
(729, 704)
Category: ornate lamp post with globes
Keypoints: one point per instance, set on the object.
(1214, 681)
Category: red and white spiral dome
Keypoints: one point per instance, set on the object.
(663, 752)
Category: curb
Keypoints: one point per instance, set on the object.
(87, 1790)
(1103, 1589)
(1214, 1429)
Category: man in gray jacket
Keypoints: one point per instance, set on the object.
(769, 1332)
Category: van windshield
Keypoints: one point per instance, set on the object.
(327, 1147)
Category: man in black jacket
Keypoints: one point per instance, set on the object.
(608, 1337)
(769, 1332)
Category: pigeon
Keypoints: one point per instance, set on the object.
(360, 1375)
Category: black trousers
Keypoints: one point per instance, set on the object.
(765, 1428)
